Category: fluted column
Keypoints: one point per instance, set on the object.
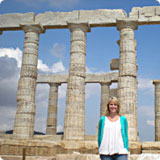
(52, 109)
(74, 124)
(113, 92)
(127, 86)
(104, 97)
(157, 109)
(25, 115)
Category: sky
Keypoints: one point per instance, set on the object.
(54, 55)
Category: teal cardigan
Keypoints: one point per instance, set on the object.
(124, 130)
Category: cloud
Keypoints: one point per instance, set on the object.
(17, 55)
(146, 123)
(57, 67)
(12, 53)
(145, 87)
(146, 111)
(62, 91)
(158, 1)
(40, 124)
(7, 115)
(145, 84)
(9, 75)
(10, 63)
(92, 89)
(60, 4)
(60, 128)
(150, 122)
(1, 1)
(58, 50)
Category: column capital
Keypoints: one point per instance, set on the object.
(75, 25)
(127, 23)
(105, 83)
(118, 42)
(54, 84)
(156, 82)
(33, 26)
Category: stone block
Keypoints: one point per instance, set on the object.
(147, 12)
(150, 146)
(157, 11)
(77, 156)
(149, 157)
(134, 12)
(56, 19)
(114, 64)
(12, 21)
(146, 15)
(135, 147)
(113, 92)
(101, 17)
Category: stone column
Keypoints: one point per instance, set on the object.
(24, 119)
(104, 97)
(113, 92)
(157, 109)
(52, 109)
(74, 124)
(127, 82)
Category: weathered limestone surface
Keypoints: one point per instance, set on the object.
(146, 15)
(96, 18)
(113, 92)
(51, 128)
(104, 97)
(149, 157)
(77, 156)
(151, 147)
(101, 17)
(157, 109)
(56, 19)
(114, 64)
(46, 148)
(24, 119)
(135, 147)
(74, 123)
(12, 21)
(90, 78)
(11, 157)
(127, 83)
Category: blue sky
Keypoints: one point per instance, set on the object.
(54, 55)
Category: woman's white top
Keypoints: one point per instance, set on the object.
(112, 142)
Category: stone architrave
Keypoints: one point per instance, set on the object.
(157, 109)
(52, 109)
(127, 83)
(74, 124)
(104, 97)
(24, 119)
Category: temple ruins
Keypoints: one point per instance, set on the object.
(74, 140)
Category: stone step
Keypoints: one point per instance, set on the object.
(12, 157)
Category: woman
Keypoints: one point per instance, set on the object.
(113, 133)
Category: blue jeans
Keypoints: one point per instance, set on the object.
(114, 157)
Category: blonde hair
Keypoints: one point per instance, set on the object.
(116, 101)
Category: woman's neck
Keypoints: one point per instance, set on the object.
(112, 115)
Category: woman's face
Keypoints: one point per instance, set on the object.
(113, 107)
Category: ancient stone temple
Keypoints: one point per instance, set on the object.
(74, 140)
